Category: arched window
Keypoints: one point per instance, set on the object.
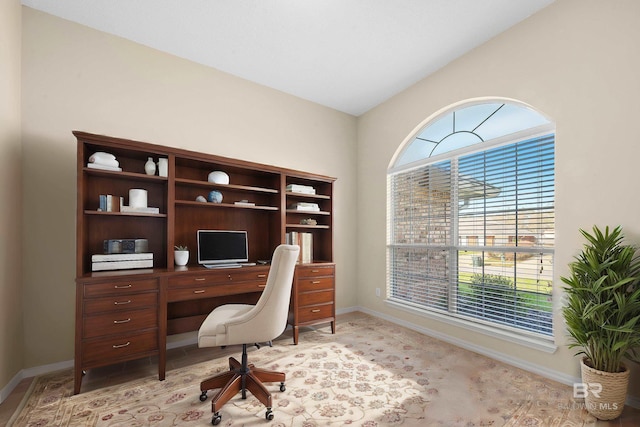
(471, 218)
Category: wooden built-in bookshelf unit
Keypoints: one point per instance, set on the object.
(126, 314)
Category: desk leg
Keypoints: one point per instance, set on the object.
(295, 335)
(162, 329)
(162, 363)
(77, 380)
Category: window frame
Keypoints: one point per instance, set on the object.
(450, 316)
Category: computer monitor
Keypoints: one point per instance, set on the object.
(222, 247)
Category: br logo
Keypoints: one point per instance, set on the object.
(582, 390)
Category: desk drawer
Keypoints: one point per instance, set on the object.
(310, 298)
(111, 350)
(215, 278)
(120, 322)
(314, 271)
(204, 291)
(315, 312)
(116, 303)
(315, 284)
(120, 287)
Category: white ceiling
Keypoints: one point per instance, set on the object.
(349, 55)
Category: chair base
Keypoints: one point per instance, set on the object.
(239, 378)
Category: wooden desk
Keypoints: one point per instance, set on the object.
(124, 316)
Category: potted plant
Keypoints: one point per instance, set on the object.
(602, 316)
(181, 255)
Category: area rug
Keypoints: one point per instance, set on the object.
(370, 373)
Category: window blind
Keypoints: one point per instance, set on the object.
(473, 236)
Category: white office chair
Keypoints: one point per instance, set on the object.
(248, 324)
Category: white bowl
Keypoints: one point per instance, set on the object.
(218, 177)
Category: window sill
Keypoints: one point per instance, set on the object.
(535, 343)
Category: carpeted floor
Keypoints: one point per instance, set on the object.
(371, 373)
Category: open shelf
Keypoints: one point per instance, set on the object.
(268, 214)
(92, 212)
(206, 184)
(311, 227)
(294, 211)
(307, 196)
(224, 205)
(123, 175)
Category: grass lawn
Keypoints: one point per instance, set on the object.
(527, 290)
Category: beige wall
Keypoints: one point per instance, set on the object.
(77, 78)
(576, 61)
(11, 341)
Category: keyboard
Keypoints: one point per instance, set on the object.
(222, 265)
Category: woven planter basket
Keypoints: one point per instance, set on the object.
(610, 402)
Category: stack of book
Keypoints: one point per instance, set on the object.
(305, 241)
(111, 203)
(304, 206)
(103, 262)
(305, 189)
(147, 209)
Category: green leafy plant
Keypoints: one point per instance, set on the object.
(496, 291)
(181, 248)
(602, 311)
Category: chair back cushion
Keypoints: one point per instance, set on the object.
(263, 322)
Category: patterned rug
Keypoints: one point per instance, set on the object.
(371, 373)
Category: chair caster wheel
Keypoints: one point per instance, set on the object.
(269, 415)
(216, 419)
(203, 396)
(282, 387)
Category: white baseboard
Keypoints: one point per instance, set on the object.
(32, 372)
(6, 390)
(187, 339)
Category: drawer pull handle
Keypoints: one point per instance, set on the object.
(122, 302)
(122, 287)
(315, 282)
(117, 322)
(261, 276)
(315, 310)
(199, 279)
(199, 291)
(121, 345)
(262, 286)
(315, 271)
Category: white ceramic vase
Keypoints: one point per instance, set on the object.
(150, 167)
(163, 166)
(181, 257)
